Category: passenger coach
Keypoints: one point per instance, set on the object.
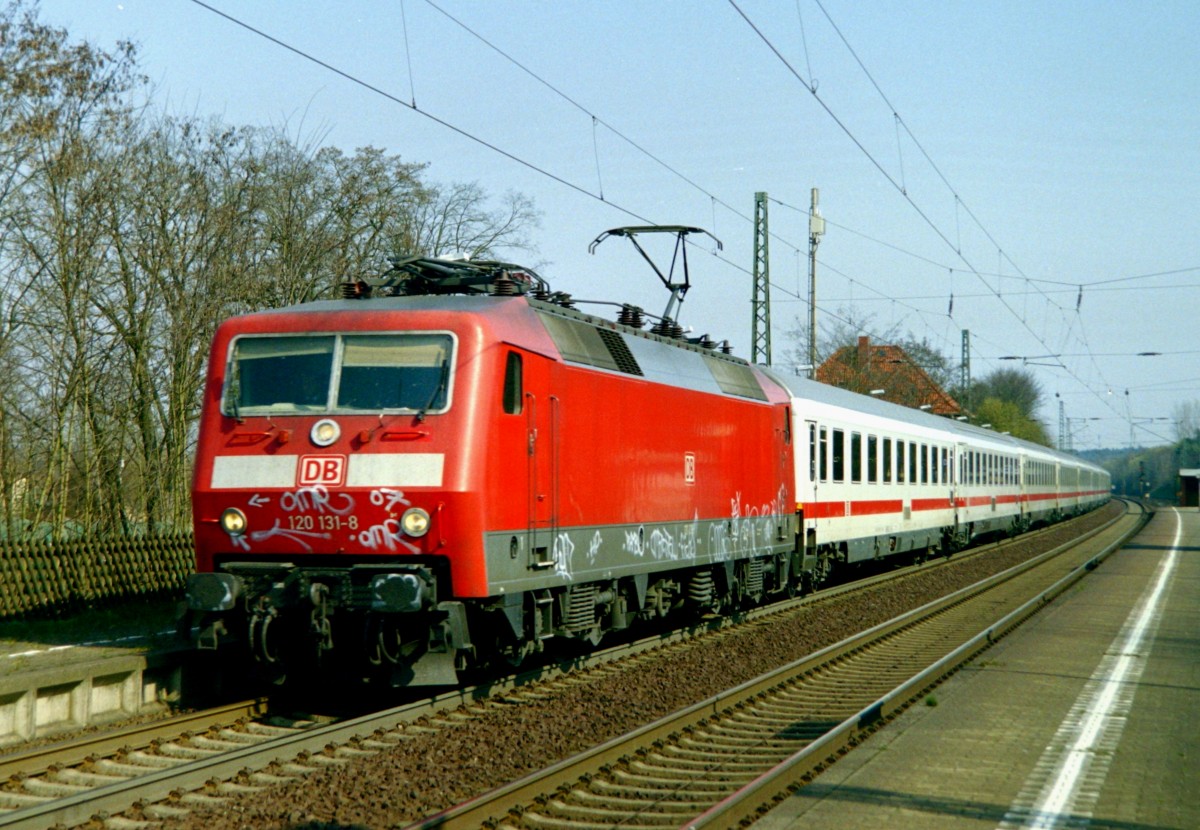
(875, 479)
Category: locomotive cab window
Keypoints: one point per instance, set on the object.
(338, 373)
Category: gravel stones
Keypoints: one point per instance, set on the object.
(430, 772)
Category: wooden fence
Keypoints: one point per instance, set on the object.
(39, 579)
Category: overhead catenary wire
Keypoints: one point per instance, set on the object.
(898, 186)
(600, 196)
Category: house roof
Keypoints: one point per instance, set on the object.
(867, 366)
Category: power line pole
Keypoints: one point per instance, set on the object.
(816, 229)
(760, 304)
(1062, 425)
(965, 371)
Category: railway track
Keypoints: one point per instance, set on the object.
(173, 767)
(720, 762)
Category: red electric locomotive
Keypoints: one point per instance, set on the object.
(452, 465)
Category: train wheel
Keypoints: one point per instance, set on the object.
(515, 654)
(824, 567)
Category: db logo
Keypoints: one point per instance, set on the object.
(326, 470)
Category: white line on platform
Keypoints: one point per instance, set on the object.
(92, 644)
(1066, 782)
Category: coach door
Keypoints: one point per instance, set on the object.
(543, 411)
(809, 487)
(959, 492)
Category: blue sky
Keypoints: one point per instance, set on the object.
(1003, 153)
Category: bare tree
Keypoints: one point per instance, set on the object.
(1186, 415)
(64, 103)
(125, 237)
(457, 220)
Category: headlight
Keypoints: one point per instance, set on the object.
(415, 522)
(325, 432)
(233, 521)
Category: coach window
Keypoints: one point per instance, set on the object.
(824, 454)
(901, 463)
(924, 462)
(888, 474)
(514, 388)
(912, 462)
(839, 455)
(872, 459)
(812, 452)
(856, 457)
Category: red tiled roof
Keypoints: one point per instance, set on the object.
(866, 366)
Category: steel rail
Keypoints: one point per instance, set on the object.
(796, 770)
(317, 740)
(69, 753)
(517, 798)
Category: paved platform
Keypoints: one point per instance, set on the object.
(1086, 716)
(60, 676)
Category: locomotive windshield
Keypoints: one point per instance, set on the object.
(271, 375)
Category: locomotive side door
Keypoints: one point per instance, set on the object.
(543, 421)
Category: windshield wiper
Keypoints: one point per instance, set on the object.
(443, 378)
